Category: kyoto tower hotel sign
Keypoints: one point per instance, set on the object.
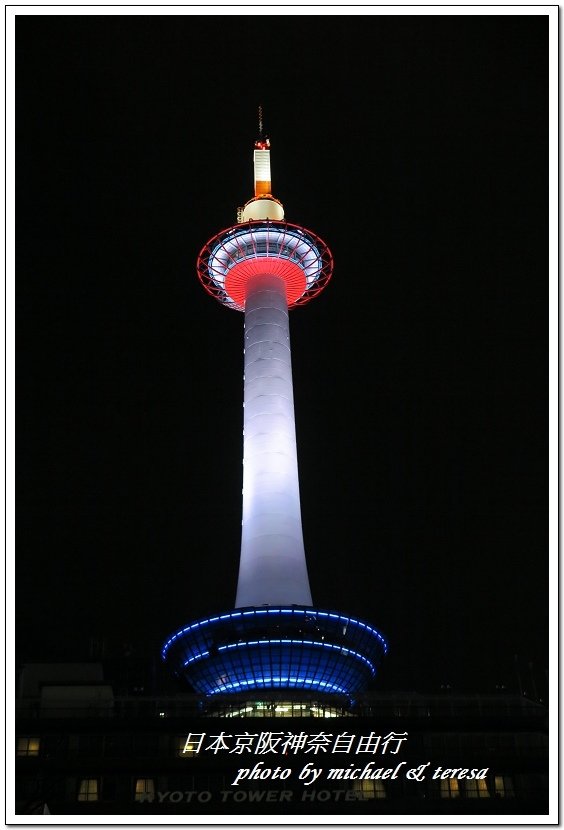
(275, 638)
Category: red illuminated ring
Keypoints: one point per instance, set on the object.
(232, 257)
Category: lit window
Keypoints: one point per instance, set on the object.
(144, 789)
(88, 789)
(449, 788)
(504, 786)
(366, 790)
(476, 789)
(27, 747)
(281, 709)
(239, 713)
(186, 748)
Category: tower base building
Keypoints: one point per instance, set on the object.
(83, 748)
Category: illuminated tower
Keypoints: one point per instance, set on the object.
(275, 638)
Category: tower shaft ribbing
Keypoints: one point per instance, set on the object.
(273, 567)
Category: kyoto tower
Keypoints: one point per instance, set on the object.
(275, 638)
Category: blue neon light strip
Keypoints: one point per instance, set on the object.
(276, 681)
(341, 649)
(197, 657)
(238, 614)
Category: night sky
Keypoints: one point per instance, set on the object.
(416, 147)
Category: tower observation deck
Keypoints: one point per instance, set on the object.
(275, 638)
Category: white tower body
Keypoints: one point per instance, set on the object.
(274, 638)
(273, 567)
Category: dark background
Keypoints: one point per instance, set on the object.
(416, 147)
